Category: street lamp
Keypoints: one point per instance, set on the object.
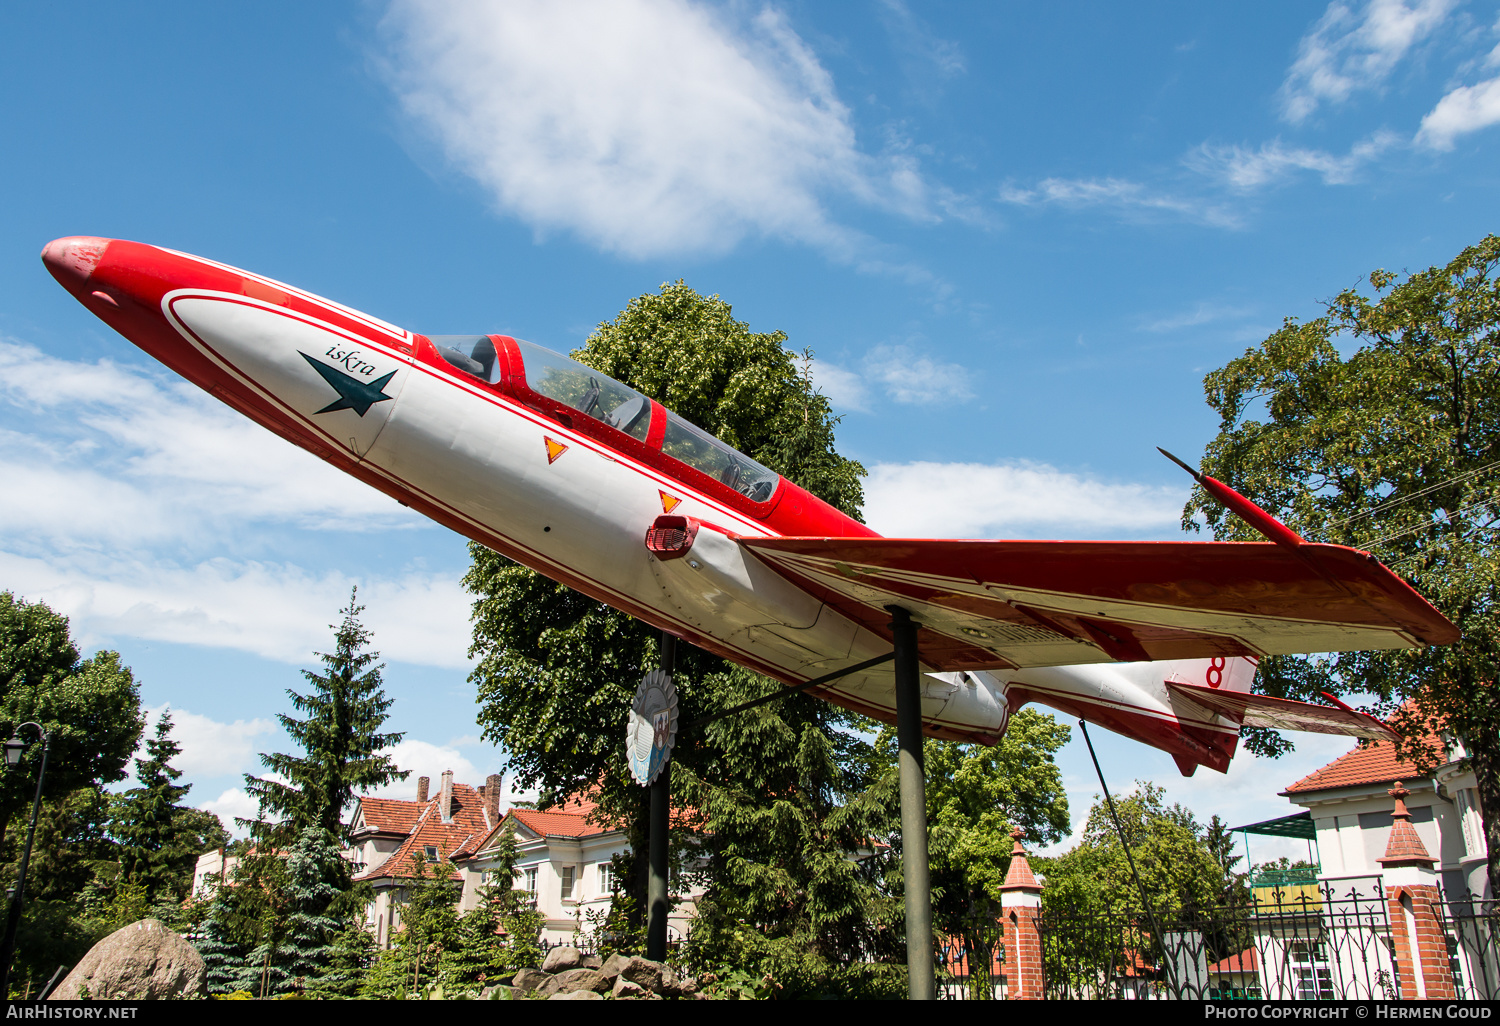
(14, 748)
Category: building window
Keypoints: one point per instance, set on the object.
(567, 881)
(606, 878)
(431, 852)
(530, 887)
(1310, 972)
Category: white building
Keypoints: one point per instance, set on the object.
(1351, 813)
(565, 862)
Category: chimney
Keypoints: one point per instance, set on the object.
(492, 797)
(422, 785)
(445, 801)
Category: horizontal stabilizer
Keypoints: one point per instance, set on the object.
(1284, 714)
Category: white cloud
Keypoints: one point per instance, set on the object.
(1350, 51)
(845, 389)
(425, 759)
(1202, 313)
(231, 805)
(978, 500)
(1245, 169)
(912, 378)
(1128, 199)
(275, 610)
(127, 460)
(211, 748)
(646, 127)
(1463, 110)
(900, 372)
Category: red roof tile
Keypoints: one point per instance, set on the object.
(470, 824)
(1403, 847)
(1375, 764)
(1019, 877)
(390, 815)
(558, 824)
(1244, 962)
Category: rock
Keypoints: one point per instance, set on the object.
(577, 995)
(144, 961)
(625, 990)
(644, 973)
(560, 960)
(590, 961)
(574, 979)
(527, 980)
(613, 964)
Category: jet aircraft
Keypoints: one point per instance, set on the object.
(597, 486)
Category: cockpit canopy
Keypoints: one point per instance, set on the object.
(584, 389)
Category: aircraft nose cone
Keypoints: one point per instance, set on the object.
(73, 259)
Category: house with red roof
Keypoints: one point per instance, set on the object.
(564, 855)
(394, 841)
(1350, 807)
(565, 860)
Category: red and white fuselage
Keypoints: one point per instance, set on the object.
(565, 471)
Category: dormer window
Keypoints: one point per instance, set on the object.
(431, 852)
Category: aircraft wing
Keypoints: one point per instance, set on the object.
(1015, 604)
(1284, 714)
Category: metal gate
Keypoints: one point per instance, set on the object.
(1300, 939)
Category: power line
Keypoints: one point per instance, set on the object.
(1391, 503)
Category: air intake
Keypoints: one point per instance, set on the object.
(670, 537)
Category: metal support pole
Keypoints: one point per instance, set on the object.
(18, 896)
(657, 900)
(921, 980)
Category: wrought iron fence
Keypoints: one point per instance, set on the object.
(955, 981)
(1303, 939)
(1472, 929)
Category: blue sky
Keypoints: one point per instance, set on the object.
(1016, 237)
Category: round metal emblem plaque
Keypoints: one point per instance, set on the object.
(652, 730)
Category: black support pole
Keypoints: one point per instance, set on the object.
(18, 894)
(921, 981)
(657, 901)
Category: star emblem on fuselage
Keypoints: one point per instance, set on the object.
(354, 394)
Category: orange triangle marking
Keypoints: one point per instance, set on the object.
(668, 502)
(554, 449)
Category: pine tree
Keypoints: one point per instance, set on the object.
(340, 738)
(219, 945)
(145, 816)
(351, 957)
(316, 877)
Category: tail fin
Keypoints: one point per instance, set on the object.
(1134, 699)
(1222, 673)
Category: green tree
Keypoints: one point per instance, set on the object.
(159, 838)
(792, 803)
(1377, 425)
(340, 738)
(1177, 870)
(316, 877)
(429, 929)
(499, 935)
(89, 707)
(975, 795)
(557, 670)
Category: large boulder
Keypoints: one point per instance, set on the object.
(527, 980)
(644, 973)
(613, 964)
(574, 979)
(560, 960)
(144, 961)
